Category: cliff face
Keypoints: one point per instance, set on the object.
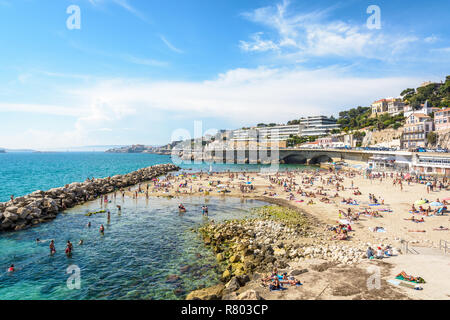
(387, 137)
(443, 139)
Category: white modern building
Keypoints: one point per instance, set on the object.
(318, 126)
(276, 133)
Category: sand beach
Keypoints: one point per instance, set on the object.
(319, 196)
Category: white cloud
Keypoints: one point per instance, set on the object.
(299, 35)
(170, 45)
(257, 44)
(431, 39)
(239, 96)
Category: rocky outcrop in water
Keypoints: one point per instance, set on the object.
(43, 206)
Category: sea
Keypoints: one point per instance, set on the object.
(148, 250)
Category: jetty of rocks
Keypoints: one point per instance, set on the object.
(42, 206)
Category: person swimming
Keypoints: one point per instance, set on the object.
(52, 247)
(11, 268)
(69, 248)
(80, 243)
(102, 229)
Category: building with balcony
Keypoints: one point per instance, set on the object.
(442, 119)
(317, 126)
(416, 130)
(379, 107)
(395, 106)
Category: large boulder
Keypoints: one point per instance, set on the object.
(232, 286)
(24, 212)
(212, 293)
(249, 295)
(11, 213)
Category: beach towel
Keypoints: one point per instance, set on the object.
(403, 284)
(374, 204)
(281, 288)
(405, 277)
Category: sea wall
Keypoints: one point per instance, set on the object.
(43, 206)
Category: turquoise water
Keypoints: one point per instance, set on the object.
(141, 247)
(23, 173)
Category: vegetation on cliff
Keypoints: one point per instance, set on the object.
(437, 95)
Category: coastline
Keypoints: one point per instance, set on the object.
(338, 256)
(314, 251)
(43, 206)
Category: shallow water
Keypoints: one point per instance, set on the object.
(141, 247)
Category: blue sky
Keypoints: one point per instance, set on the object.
(138, 70)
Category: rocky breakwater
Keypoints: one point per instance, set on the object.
(243, 247)
(280, 238)
(43, 206)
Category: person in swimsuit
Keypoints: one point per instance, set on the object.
(69, 248)
(52, 247)
(11, 268)
(102, 229)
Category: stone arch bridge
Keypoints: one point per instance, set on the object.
(288, 156)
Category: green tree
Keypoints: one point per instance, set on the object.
(432, 138)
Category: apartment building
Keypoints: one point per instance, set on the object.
(393, 106)
(442, 119)
(416, 130)
(317, 126)
(308, 126)
(259, 134)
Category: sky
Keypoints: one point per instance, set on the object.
(150, 71)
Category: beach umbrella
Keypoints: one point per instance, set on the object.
(249, 182)
(407, 176)
(446, 199)
(436, 204)
(419, 202)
